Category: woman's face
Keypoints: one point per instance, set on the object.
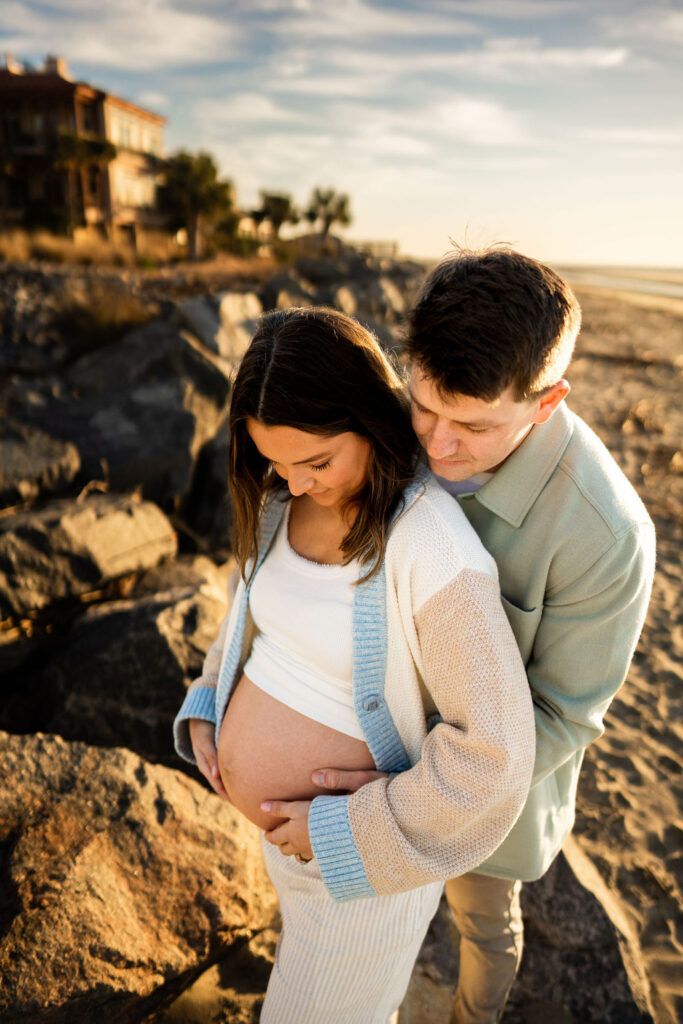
(328, 469)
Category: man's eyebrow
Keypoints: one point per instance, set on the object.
(460, 423)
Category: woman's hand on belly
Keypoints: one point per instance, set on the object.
(292, 836)
(202, 735)
(268, 751)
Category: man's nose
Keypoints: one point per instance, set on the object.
(442, 442)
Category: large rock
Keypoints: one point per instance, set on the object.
(239, 315)
(138, 410)
(224, 323)
(208, 510)
(69, 548)
(286, 289)
(122, 672)
(32, 462)
(122, 881)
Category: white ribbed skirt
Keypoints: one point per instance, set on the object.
(341, 963)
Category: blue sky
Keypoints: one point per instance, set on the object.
(556, 125)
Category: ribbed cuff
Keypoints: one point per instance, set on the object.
(335, 850)
(199, 703)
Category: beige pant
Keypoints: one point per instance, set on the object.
(341, 963)
(489, 919)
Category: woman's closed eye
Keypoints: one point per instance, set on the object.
(323, 465)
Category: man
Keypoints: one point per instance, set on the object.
(490, 338)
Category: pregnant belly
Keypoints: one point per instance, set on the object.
(268, 751)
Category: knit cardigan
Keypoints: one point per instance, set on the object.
(431, 647)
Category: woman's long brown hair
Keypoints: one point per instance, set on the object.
(320, 371)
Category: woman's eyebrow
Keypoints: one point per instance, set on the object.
(313, 458)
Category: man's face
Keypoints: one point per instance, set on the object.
(464, 436)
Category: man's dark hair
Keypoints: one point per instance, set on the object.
(488, 319)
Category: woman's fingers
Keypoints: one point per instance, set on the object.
(202, 735)
(337, 778)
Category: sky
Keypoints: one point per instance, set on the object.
(553, 125)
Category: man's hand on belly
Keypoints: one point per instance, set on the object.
(346, 781)
(292, 835)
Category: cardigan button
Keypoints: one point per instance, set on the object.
(372, 703)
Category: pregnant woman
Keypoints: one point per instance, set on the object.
(367, 632)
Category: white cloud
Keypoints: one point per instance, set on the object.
(654, 23)
(358, 19)
(513, 9)
(154, 100)
(243, 108)
(478, 122)
(634, 136)
(124, 35)
(503, 58)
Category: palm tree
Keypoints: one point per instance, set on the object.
(278, 209)
(74, 154)
(193, 196)
(328, 207)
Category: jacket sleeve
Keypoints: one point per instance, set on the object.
(583, 647)
(450, 811)
(200, 700)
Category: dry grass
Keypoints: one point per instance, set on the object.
(87, 248)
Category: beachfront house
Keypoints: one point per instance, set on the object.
(73, 155)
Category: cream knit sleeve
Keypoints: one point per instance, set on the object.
(451, 810)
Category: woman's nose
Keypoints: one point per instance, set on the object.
(299, 481)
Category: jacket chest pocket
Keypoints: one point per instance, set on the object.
(525, 623)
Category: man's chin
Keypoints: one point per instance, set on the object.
(453, 471)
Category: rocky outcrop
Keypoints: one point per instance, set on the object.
(224, 323)
(33, 463)
(121, 881)
(138, 411)
(68, 548)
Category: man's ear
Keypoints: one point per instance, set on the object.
(550, 399)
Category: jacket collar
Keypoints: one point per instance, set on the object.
(514, 487)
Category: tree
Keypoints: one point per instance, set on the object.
(193, 196)
(278, 209)
(74, 154)
(328, 207)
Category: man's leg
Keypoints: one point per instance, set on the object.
(489, 919)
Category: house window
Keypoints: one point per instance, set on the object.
(88, 120)
(94, 181)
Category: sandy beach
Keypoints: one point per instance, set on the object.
(626, 382)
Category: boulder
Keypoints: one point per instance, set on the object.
(281, 291)
(239, 314)
(69, 548)
(223, 323)
(122, 670)
(32, 462)
(208, 509)
(122, 882)
(138, 410)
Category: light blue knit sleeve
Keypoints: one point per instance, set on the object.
(335, 851)
(200, 702)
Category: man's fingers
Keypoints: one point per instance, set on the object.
(337, 778)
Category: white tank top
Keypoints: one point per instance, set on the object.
(303, 652)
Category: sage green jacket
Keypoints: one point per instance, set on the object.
(575, 550)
